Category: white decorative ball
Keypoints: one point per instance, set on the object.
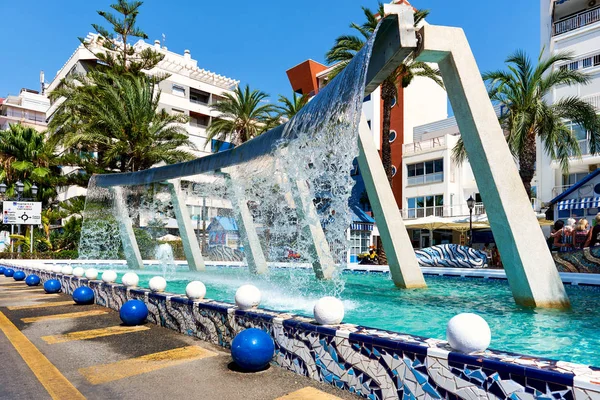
(247, 297)
(130, 279)
(78, 272)
(109, 276)
(157, 284)
(56, 269)
(329, 311)
(195, 290)
(66, 270)
(91, 273)
(468, 333)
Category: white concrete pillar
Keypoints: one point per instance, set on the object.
(530, 269)
(402, 260)
(257, 263)
(191, 249)
(130, 246)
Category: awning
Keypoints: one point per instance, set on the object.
(361, 221)
(579, 204)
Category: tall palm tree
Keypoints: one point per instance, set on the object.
(242, 116)
(346, 46)
(26, 156)
(523, 90)
(290, 106)
(118, 116)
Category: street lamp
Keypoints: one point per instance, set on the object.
(3, 188)
(34, 190)
(471, 204)
(20, 188)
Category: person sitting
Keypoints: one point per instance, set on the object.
(563, 239)
(556, 231)
(594, 236)
(581, 233)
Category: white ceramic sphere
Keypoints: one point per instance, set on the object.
(130, 279)
(66, 270)
(56, 268)
(78, 272)
(109, 276)
(157, 284)
(195, 290)
(468, 333)
(329, 311)
(91, 273)
(247, 297)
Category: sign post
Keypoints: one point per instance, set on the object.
(22, 213)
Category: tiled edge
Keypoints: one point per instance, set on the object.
(369, 362)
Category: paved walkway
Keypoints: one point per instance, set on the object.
(51, 348)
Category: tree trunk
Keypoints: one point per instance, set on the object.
(527, 159)
(388, 92)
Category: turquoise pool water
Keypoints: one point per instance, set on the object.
(372, 300)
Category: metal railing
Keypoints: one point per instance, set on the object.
(576, 21)
(442, 211)
(435, 177)
(594, 101)
(556, 190)
(425, 145)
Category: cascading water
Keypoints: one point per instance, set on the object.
(315, 152)
(164, 254)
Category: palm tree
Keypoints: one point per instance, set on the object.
(242, 116)
(26, 156)
(346, 46)
(118, 116)
(290, 107)
(523, 90)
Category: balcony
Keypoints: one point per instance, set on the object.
(425, 146)
(594, 101)
(442, 211)
(576, 21)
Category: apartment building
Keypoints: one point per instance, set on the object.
(27, 108)
(188, 90)
(572, 26)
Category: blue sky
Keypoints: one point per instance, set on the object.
(252, 41)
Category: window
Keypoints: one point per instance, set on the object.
(587, 62)
(574, 65)
(426, 172)
(392, 136)
(199, 120)
(359, 242)
(368, 98)
(424, 206)
(564, 67)
(177, 111)
(581, 136)
(369, 123)
(199, 97)
(597, 60)
(394, 171)
(394, 101)
(178, 90)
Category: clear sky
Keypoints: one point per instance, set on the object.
(252, 41)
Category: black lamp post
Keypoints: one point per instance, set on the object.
(20, 187)
(471, 204)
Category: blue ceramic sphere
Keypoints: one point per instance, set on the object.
(32, 280)
(52, 286)
(133, 312)
(2, 269)
(9, 272)
(19, 276)
(83, 295)
(252, 349)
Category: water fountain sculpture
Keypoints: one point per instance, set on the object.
(293, 165)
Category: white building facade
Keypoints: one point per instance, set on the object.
(570, 26)
(28, 109)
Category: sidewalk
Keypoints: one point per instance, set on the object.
(52, 348)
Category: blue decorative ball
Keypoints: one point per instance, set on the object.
(2, 269)
(52, 286)
(9, 272)
(19, 276)
(83, 295)
(252, 349)
(133, 312)
(32, 280)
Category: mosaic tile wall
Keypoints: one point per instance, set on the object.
(372, 363)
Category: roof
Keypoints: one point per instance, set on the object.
(575, 187)
(227, 223)
(359, 215)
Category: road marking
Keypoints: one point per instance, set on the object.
(92, 333)
(99, 374)
(43, 305)
(49, 376)
(20, 283)
(308, 393)
(33, 297)
(80, 314)
(25, 289)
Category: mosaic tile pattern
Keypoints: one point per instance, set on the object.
(371, 363)
(586, 260)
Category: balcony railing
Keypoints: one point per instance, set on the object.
(594, 101)
(577, 21)
(442, 211)
(556, 190)
(423, 179)
(425, 145)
